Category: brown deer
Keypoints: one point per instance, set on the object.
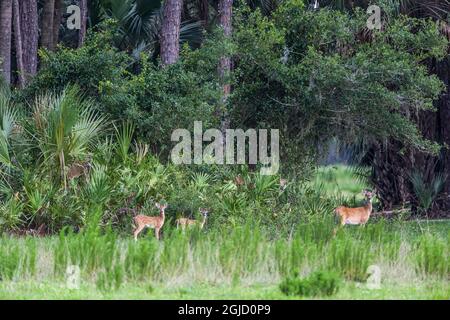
(358, 215)
(141, 221)
(185, 222)
(239, 181)
(80, 168)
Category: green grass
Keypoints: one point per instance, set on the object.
(241, 264)
(206, 291)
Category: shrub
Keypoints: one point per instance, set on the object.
(319, 283)
(95, 62)
(162, 100)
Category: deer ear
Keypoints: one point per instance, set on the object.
(157, 204)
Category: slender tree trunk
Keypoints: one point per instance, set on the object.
(57, 21)
(30, 36)
(84, 15)
(18, 43)
(5, 38)
(170, 31)
(443, 72)
(48, 14)
(224, 69)
(204, 12)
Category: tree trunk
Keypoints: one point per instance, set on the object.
(83, 22)
(204, 12)
(443, 72)
(225, 16)
(57, 21)
(48, 14)
(390, 174)
(30, 36)
(18, 43)
(170, 31)
(5, 36)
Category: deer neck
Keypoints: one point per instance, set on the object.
(203, 222)
(162, 214)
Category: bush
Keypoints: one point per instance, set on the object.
(294, 74)
(319, 283)
(97, 61)
(159, 100)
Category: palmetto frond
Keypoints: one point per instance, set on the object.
(63, 127)
(8, 117)
(438, 9)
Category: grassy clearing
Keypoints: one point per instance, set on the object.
(340, 180)
(206, 291)
(243, 263)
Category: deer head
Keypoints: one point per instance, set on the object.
(204, 212)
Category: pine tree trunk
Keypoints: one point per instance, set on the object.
(225, 22)
(18, 43)
(48, 14)
(5, 38)
(84, 15)
(170, 31)
(30, 36)
(57, 21)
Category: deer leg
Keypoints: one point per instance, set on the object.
(137, 231)
(335, 231)
(341, 224)
(157, 233)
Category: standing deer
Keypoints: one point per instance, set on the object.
(185, 222)
(358, 215)
(141, 221)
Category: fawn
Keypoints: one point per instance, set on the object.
(141, 221)
(358, 215)
(185, 222)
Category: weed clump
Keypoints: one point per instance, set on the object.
(319, 283)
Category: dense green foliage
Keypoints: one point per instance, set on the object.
(319, 74)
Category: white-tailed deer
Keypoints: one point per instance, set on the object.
(185, 222)
(358, 215)
(141, 221)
